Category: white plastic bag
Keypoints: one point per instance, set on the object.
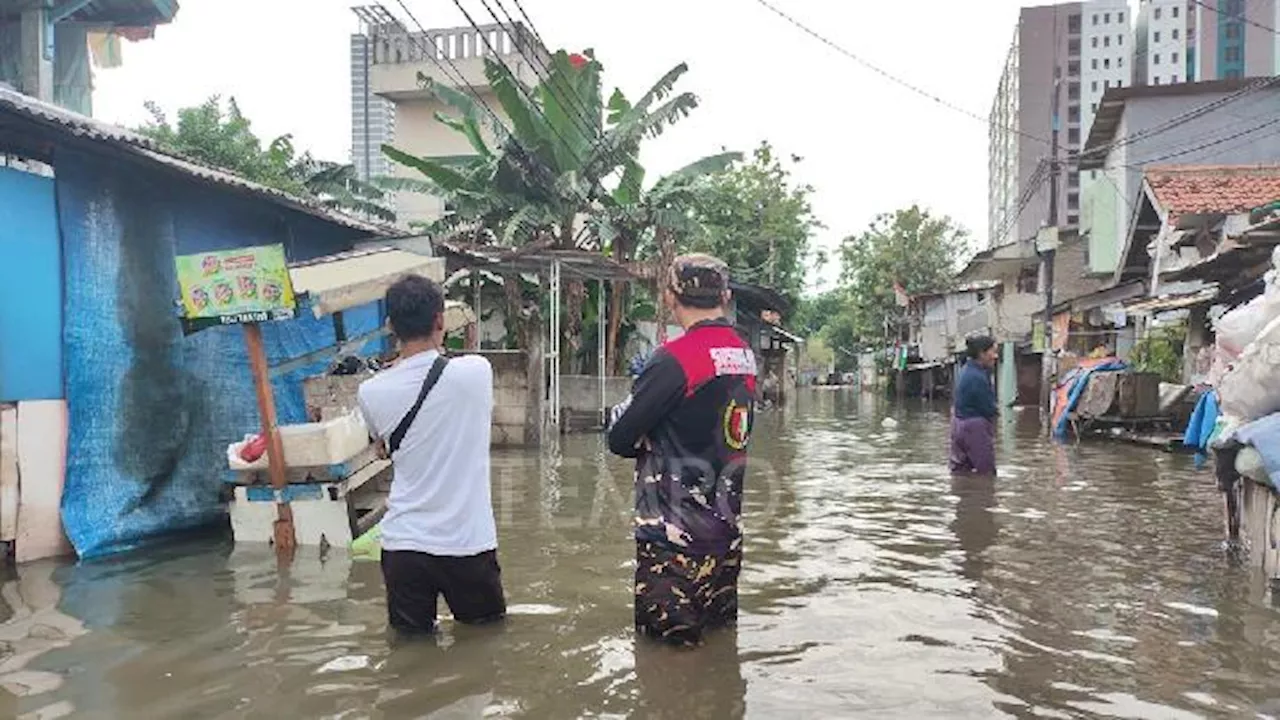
(1251, 389)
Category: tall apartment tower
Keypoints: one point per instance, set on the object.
(373, 118)
(1198, 40)
(1087, 45)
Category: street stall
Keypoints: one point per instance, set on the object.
(318, 483)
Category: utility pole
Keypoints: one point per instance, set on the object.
(1049, 252)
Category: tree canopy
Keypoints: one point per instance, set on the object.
(757, 219)
(224, 138)
(910, 248)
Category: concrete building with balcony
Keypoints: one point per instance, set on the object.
(398, 58)
(1086, 45)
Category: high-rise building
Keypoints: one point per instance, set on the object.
(373, 118)
(1198, 40)
(1087, 47)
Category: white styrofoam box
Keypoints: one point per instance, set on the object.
(324, 443)
(320, 444)
(315, 515)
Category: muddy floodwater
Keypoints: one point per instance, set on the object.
(1084, 582)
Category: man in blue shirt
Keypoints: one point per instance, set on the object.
(973, 436)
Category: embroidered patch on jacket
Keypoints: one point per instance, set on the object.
(733, 361)
(737, 425)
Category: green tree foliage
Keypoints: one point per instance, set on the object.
(911, 247)
(1160, 352)
(537, 174)
(224, 138)
(759, 221)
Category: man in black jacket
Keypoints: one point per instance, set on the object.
(687, 423)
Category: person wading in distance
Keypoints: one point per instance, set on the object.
(687, 423)
(432, 415)
(973, 420)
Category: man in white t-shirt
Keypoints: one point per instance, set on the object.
(438, 536)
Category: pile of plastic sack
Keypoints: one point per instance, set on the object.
(1247, 352)
(1246, 370)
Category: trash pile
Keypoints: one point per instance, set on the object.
(1246, 379)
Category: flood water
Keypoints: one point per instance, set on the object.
(1084, 582)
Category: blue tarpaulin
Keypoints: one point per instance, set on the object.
(151, 412)
(1075, 381)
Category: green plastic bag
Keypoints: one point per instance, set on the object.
(369, 545)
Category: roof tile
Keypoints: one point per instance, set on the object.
(1213, 189)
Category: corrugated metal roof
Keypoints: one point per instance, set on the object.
(64, 122)
(348, 280)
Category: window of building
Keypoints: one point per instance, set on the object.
(1155, 59)
(1073, 68)
(1107, 63)
(1095, 42)
(1155, 80)
(1232, 30)
(1095, 108)
(1175, 10)
(1155, 37)
(1095, 18)
(1157, 13)
(1234, 7)
(1073, 179)
(1029, 280)
(1173, 80)
(1174, 33)
(1106, 18)
(1120, 17)
(1095, 63)
(1106, 41)
(1232, 53)
(1073, 114)
(1073, 201)
(1073, 24)
(1120, 40)
(1073, 220)
(1120, 61)
(1073, 136)
(1073, 46)
(1173, 58)
(1094, 88)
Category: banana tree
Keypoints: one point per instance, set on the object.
(548, 160)
(659, 215)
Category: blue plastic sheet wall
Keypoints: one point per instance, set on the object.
(151, 411)
(30, 289)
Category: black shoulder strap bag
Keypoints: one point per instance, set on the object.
(433, 376)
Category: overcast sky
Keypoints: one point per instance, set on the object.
(868, 145)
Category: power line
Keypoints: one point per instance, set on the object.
(888, 75)
(460, 79)
(1038, 178)
(1181, 119)
(1236, 16)
(1196, 148)
(568, 97)
(576, 108)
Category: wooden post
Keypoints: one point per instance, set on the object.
(285, 539)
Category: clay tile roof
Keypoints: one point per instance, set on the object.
(1213, 189)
